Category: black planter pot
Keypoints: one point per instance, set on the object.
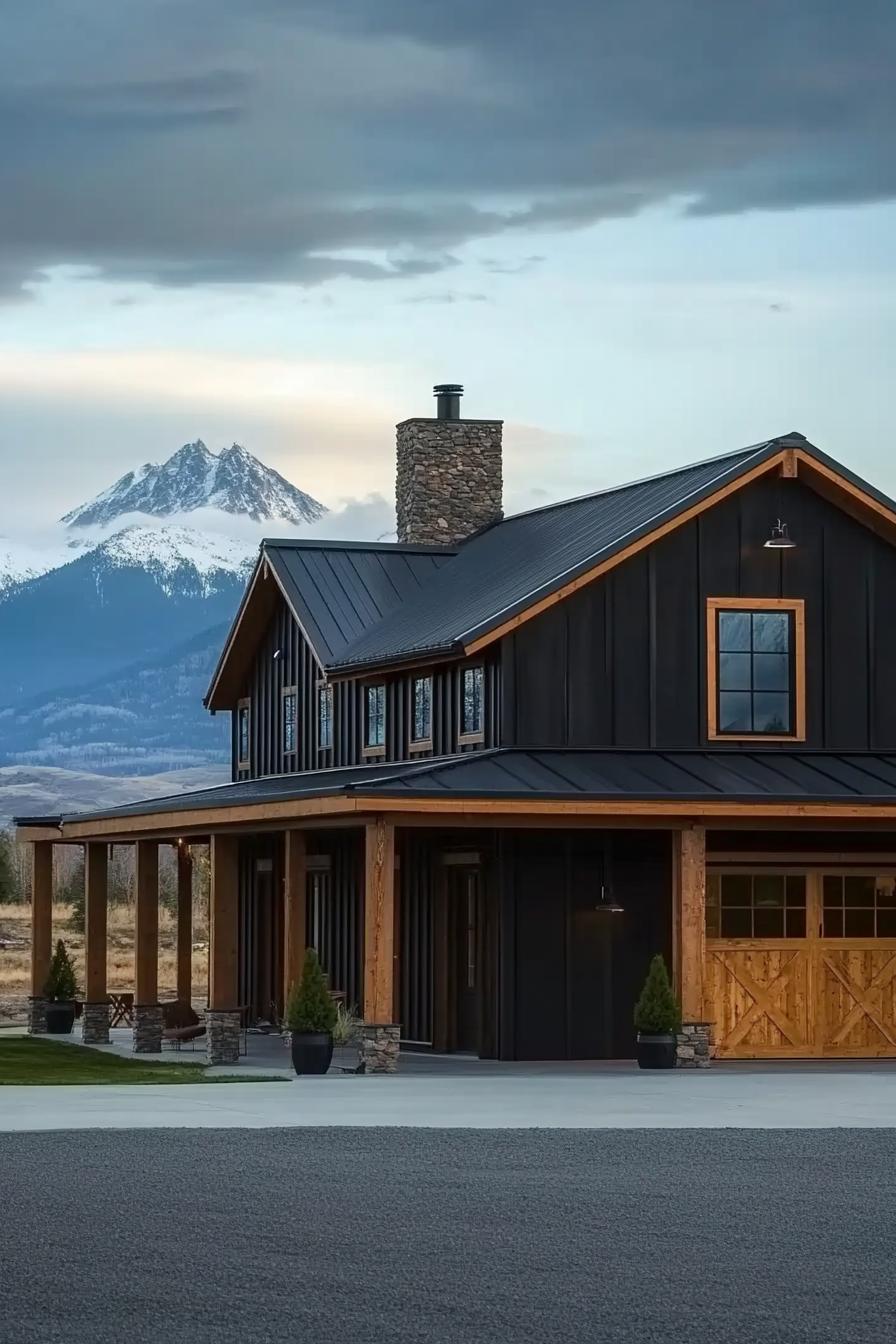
(656, 1050)
(312, 1051)
(60, 1018)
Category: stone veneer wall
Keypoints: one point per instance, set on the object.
(37, 1015)
(95, 1023)
(378, 1052)
(693, 1046)
(448, 480)
(148, 1026)
(223, 1036)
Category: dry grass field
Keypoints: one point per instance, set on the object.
(15, 954)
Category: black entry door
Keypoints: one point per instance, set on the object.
(465, 910)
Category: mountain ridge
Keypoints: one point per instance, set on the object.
(233, 481)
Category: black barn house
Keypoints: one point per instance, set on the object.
(491, 768)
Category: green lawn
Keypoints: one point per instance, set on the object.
(24, 1059)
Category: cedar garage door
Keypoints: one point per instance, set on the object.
(801, 964)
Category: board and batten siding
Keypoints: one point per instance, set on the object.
(622, 662)
(297, 666)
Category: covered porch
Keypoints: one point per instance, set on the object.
(465, 907)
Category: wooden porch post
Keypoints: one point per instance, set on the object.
(295, 913)
(184, 923)
(223, 1016)
(96, 891)
(41, 931)
(690, 890)
(147, 1013)
(380, 1043)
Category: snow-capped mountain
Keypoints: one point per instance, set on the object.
(167, 551)
(233, 481)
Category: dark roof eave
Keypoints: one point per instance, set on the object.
(411, 657)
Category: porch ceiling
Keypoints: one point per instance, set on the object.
(601, 784)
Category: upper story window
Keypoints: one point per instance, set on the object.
(421, 726)
(290, 705)
(471, 718)
(375, 719)
(324, 717)
(756, 675)
(242, 732)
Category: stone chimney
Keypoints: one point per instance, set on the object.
(448, 478)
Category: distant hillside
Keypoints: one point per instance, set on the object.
(143, 719)
(42, 791)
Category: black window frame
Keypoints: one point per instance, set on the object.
(425, 738)
(378, 689)
(243, 715)
(324, 715)
(475, 733)
(290, 693)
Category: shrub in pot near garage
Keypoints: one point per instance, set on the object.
(60, 991)
(310, 1018)
(657, 1019)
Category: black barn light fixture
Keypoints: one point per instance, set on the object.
(607, 904)
(780, 539)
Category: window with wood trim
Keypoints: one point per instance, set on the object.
(755, 905)
(243, 740)
(756, 673)
(324, 716)
(375, 718)
(857, 905)
(421, 720)
(290, 727)
(471, 704)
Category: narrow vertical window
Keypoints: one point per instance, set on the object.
(471, 703)
(421, 731)
(242, 732)
(324, 717)
(375, 719)
(289, 720)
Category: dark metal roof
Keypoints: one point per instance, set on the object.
(732, 775)
(507, 567)
(271, 788)
(340, 589)
(723, 775)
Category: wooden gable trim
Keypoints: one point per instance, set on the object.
(634, 548)
(789, 462)
(248, 629)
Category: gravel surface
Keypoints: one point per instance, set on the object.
(355, 1236)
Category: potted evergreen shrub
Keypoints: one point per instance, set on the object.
(657, 1019)
(310, 1018)
(61, 990)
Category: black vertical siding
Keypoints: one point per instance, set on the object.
(626, 654)
(297, 666)
(336, 909)
(416, 882)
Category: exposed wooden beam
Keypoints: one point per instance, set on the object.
(689, 886)
(223, 924)
(295, 914)
(41, 915)
(184, 923)
(790, 463)
(96, 892)
(379, 920)
(146, 931)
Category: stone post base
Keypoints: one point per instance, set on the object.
(147, 1028)
(95, 1024)
(378, 1047)
(37, 1016)
(223, 1031)
(693, 1046)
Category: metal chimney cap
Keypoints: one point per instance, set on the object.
(448, 397)
(448, 387)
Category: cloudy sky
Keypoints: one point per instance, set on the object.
(642, 231)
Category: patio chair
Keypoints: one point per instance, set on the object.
(181, 1025)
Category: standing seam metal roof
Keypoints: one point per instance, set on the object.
(508, 566)
(338, 591)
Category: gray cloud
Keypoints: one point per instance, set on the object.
(219, 141)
